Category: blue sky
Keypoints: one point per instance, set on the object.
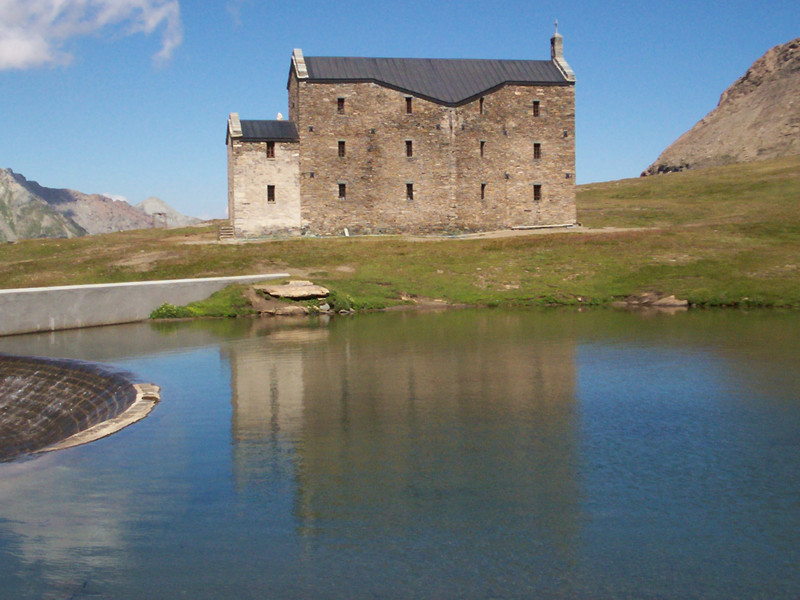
(131, 97)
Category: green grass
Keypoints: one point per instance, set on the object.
(228, 302)
(719, 237)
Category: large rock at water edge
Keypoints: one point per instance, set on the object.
(295, 290)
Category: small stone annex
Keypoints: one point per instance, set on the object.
(404, 145)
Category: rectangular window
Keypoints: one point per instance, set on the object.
(409, 105)
(537, 151)
(409, 191)
(535, 108)
(341, 148)
(342, 191)
(483, 191)
(270, 149)
(537, 192)
(409, 148)
(480, 105)
(483, 148)
(271, 194)
(340, 105)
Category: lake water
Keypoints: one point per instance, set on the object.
(463, 454)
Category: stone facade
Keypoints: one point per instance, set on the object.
(253, 208)
(372, 158)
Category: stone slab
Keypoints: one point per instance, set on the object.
(295, 290)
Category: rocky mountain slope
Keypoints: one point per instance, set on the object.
(25, 215)
(29, 210)
(758, 117)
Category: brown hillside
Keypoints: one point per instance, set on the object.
(29, 210)
(758, 117)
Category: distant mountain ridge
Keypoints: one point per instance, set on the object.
(758, 117)
(29, 210)
(163, 213)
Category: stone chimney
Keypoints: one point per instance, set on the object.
(557, 55)
(299, 62)
(234, 126)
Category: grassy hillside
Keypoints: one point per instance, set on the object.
(723, 236)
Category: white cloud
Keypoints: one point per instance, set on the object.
(117, 198)
(34, 33)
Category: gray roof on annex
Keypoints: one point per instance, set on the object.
(257, 131)
(442, 80)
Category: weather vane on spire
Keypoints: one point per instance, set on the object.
(556, 25)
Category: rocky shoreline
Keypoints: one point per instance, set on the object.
(303, 297)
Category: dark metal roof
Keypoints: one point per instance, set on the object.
(262, 131)
(446, 81)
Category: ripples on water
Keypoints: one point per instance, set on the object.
(467, 454)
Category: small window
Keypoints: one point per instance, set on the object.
(537, 151)
(483, 191)
(341, 148)
(271, 194)
(535, 108)
(409, 191)
(409, 105)
(480, 105)
(342, 191)
(409, 148)
(483, 148)
(340, 106)
(537, 192)
(270, 149)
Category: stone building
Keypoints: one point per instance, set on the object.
(389, 145)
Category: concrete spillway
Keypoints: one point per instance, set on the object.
(48, 404)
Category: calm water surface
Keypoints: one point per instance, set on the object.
(466, 454)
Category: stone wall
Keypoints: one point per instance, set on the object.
(250, 172)
(446, 168)
(509, 167)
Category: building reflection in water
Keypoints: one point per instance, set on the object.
(267, 371)
(403, 425)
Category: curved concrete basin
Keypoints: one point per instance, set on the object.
(49, 404)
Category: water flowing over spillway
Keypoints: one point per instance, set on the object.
(46, 401)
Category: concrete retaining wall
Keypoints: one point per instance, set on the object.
(66, 307)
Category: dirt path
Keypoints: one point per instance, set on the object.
(508, 233)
